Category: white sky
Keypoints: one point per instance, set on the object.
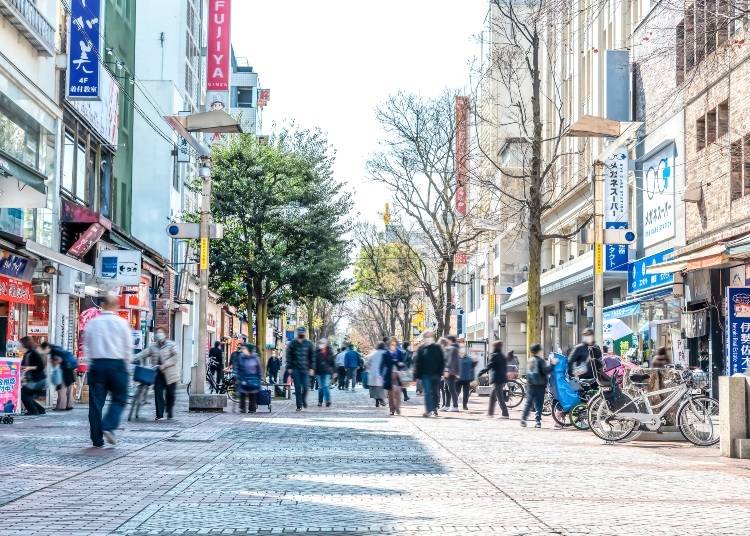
(329, 63)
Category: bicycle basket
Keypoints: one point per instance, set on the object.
(613, 395)
(144, 375)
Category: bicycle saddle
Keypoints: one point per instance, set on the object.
(639, 378)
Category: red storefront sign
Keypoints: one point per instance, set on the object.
(13, 290)
(461, 258)
(217, 76)
(461, 165)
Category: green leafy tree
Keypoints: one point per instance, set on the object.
(284, 217)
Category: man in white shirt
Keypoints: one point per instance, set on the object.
(108, 347)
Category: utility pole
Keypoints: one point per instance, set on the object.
(204, 171)
(598, 251)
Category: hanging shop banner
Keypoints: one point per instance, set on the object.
(16, 291)
(218, 54)
(10, 386)
(658, 196)
(16, 266)
(84, 45)
(87, 240)
(680, 351)
(616, 207)
(639, 280)
(461, 165)
(737, 329)
(120, 267)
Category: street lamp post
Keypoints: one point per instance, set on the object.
(215, 121)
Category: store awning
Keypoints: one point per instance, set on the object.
(632, 305)
(60, 258)
(706, 258)
(20, 185)
(739, 249)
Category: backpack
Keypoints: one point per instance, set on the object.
(534, 374)
(68, 358)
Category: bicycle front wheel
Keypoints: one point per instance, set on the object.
(548, 404)
(579, 416)
(558, 415)
(514, 393)
(698, 420)
(605, 424)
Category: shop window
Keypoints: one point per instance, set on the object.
(68, 171)
(244, 97)
(20, 134)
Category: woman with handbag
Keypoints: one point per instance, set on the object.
(247, 373)
(466, 366)
(392, 363)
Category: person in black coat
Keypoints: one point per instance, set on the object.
(498, 365)
(583, 354)
(216, 362)
(429, 367)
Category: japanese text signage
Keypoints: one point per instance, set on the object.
(10, 386)
(658, 196)
(16, 266)
(737, 347)
(616, 208)
(84, 68)
(120, 267)
(639, 280)
(16, 291)
(461, 165)
(217, 76)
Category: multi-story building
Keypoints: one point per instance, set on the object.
(30, 120)
(244, 95)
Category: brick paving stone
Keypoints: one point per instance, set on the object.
(352, 470)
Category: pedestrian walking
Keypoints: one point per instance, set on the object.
(428, 367)
(34, 377)
(341, 368)
(108, 347)
(67, 364)
(498, 366)
(407, 357)
(392, 363)
(444, 394)
(299, 360)
(374, 366)
(216, 362)
(352, 363)
(163, 356)
(273, 367)
(325, 364)
(452, 370)
(537, 376)
(466, 376)
(248, 374)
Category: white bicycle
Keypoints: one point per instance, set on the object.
(616, 415)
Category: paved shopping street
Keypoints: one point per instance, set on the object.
(352, 469)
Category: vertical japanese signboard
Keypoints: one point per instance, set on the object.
(461, 165)
(84, 40)
(616, 208)
(10, 386)
(737, 347)
(219, 52)
(658, 196)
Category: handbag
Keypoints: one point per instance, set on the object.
(56, 376)
(580, 369)
(405, 376)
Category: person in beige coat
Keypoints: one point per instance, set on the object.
(162, 355)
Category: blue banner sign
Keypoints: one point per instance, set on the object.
(616, 256)
(84, 67)
(16, 266)
(737, 347)
(639, 280)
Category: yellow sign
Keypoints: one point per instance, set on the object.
(492, 303)
(598, 258)
(204, 254)
(387, 214)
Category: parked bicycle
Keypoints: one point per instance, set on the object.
(225, 387)
(144, 377)
(616, 415)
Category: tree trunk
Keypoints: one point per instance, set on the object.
(261, 323)
(535, 202)
(448, 299)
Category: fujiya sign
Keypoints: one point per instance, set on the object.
(218, 64)
(658, 196)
